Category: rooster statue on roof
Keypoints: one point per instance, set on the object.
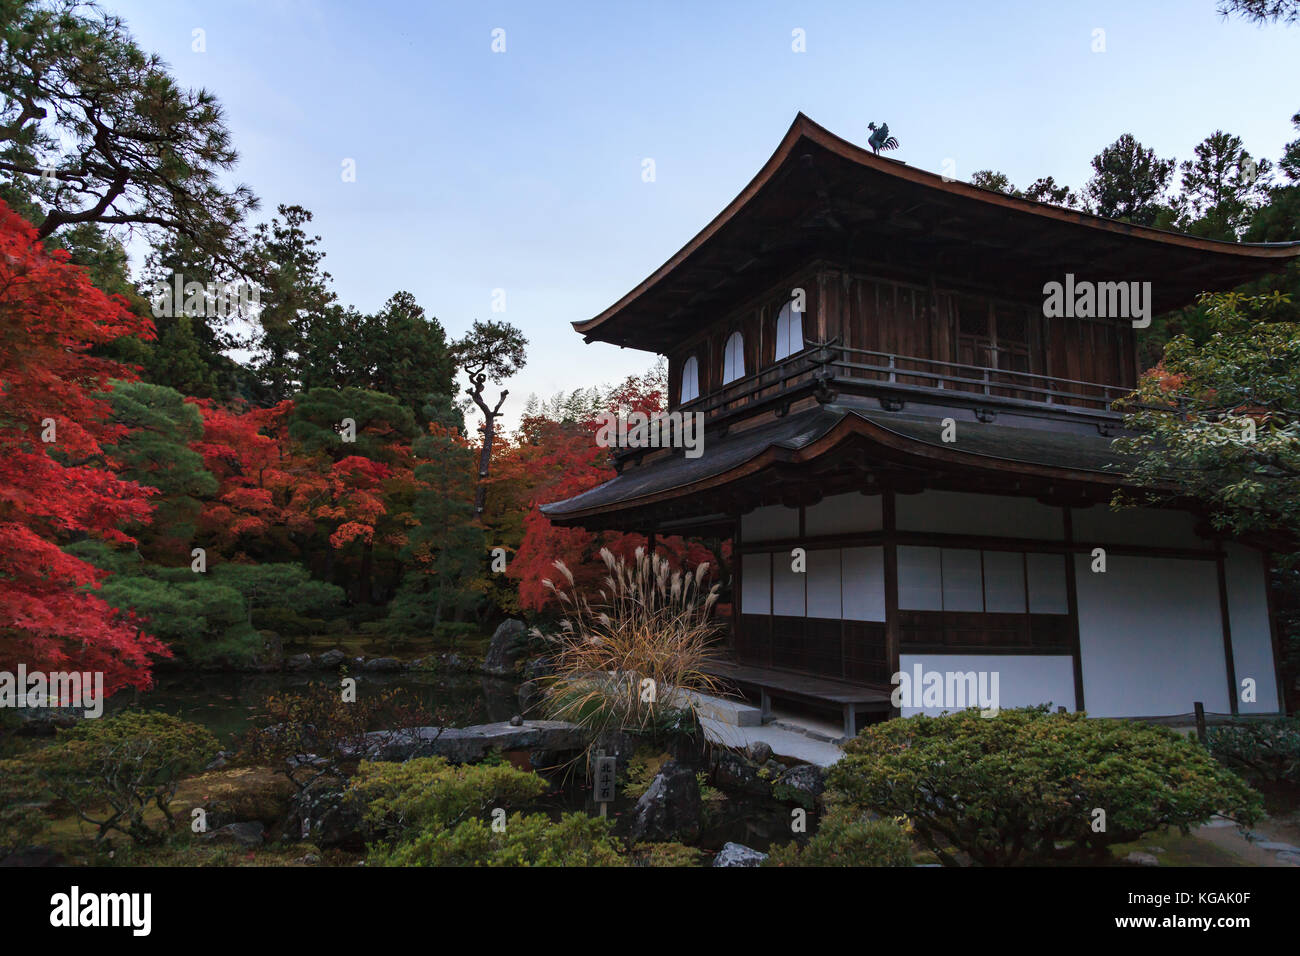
(880, 138)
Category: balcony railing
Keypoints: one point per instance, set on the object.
(837, 367)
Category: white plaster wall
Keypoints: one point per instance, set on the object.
(787, 586)
(1004, 582)
(824, 583)
(756, 584)
(1252, 641)
(844, 514)
(960, 512)
(770, 523)
(1151, 636)
(863, 583)
(1047, 588)
(963, 580)
(920, 579)
(1151, 527)
(1024, 680)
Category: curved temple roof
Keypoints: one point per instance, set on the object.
(820, 195)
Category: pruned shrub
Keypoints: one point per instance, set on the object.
(526, 840)
(1024, 787)
(848, 838)
(114, 771)
(428, 792)
(1265, 750)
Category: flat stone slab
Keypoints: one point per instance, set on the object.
(468, 744)
(734, 712)
(785, 743)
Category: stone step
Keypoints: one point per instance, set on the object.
(733, 712)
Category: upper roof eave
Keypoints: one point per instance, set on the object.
(804, 129)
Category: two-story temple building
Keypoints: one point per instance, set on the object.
(884, 388)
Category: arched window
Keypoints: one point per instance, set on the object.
(733, 358)
(789, 331)
(690, 380)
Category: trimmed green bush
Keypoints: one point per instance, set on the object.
(429, 793)
(527, 840)
(1024, 787)
(1267, 750)
(848, 839)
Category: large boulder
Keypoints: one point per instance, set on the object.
(733, 771)
(248, 834)
(331, 660)
(803, 784)
(325, 816)
(509, 643)
(298, 662)
(737, 854)
(383, 665)
(670, 807)
(230, 795)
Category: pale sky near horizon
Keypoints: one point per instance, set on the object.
(522, 170)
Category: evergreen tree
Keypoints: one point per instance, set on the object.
(295, 297)
(155, 451)
(1222, 187)
(1129, 182)
(446, 548)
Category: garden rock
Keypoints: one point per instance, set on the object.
(245, 834)
(737, 854)
(298, 662)
(331, 660)
(323, 816)
(383, 665)
(670, 807)
(759, 752)
(731, 771)
(509, 642)
(803, 784)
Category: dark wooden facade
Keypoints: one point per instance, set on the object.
(923, 324)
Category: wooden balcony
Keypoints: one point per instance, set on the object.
(833, 368)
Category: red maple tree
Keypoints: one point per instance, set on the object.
(552, 461)
(56, 483)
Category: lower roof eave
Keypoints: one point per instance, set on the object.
(884, 448)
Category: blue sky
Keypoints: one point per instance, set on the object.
(521, 170)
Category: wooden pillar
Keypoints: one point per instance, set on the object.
(1230, 666)
(1072, 605)
(1274, 634)
(892, 652)
(738, 577)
